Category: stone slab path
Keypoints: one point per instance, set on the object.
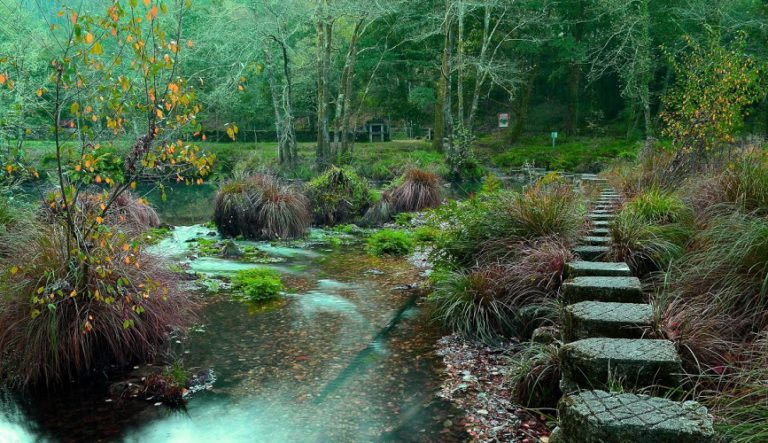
(605, 319)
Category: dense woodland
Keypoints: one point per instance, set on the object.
(298, 70)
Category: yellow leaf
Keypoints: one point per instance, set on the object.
(74, 108)
(14, 270)
(39, 92)
(97, 49)
(89, 38)
(3, 78)
(99, 220)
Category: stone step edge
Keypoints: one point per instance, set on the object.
(600, 416)
(589, 319)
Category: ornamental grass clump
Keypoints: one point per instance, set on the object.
(490, 227)
(59, 322)
(417, 191)
(651, 230)
(535, 376)
(338, 196)
(260, 208)
(717, 294)
(485, 301)
(737, 395)
(745, 183)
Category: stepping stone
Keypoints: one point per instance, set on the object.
(597, 269)
(595, 216)
(600, 231)
(601, 223)
(597, 240)
(595, 363)
(589, 319)
(608, 289)
(592, 253)
(603, 417)
(602, 211)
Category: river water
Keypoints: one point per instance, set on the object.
(347, 357)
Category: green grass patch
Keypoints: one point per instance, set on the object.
(572, 154)
(390, 242)
(258, 285)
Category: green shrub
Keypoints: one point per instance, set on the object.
(258, 285)
(390, 242)
(338, 196)
(426, 234)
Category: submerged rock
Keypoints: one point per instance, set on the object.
(230, 250)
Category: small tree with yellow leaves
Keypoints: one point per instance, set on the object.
(82, 292)
(714, 88)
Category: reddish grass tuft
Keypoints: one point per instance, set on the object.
(419, 190)
(58, 324)
(259, 207)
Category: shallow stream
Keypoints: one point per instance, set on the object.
(347, 357)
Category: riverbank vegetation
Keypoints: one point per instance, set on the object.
(448, 134)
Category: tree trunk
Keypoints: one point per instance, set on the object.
(524, 103)
(480, 75)
(282, 156)
(324, 34)
(442, 86)
(572, 116)
(345, 92)
(460, 66)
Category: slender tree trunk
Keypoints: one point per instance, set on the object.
(574, 82)
(282, 156)
(442, 86)
(480, 76)
(324, 34)
(460, 66)
(646, 77)
(346, 86)
(523, 105)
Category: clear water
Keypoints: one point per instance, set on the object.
(321, 367)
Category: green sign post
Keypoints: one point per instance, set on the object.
(554, 138)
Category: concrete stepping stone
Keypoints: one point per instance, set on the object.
(592, 253)
(597, 269)
(597, 216)
(601, 223)
(600, 231)
(608, 289)
(596, 240)
(589, 319)
(602, 211)
(603, 417)
(596, 363)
